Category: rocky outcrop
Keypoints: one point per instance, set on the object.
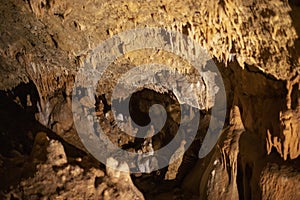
(288, 142)
(55, 178)
(219, 173)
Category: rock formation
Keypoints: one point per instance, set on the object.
(255, 46)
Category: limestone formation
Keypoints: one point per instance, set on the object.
(285, 179)
(45, 44)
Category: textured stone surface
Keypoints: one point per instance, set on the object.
(254, 43)
(57, 179)
(280, 182)
(46, 40)
(219, 173)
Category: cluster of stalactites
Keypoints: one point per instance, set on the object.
(257, 33)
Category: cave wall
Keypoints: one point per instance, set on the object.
(254, 44)
(41, 36)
